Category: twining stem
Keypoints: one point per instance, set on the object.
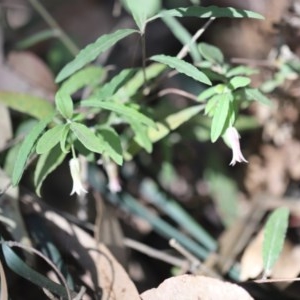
(69, 44)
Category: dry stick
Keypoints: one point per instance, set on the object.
(99, 213)
(254, 62)
(184, 51)
(276, 280)
(177, 92)
(70, 45)
(195, 262)
(12, 244)
(151, 252)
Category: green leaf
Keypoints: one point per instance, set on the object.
(10, 159)
(120, 109)
(110, 88)
(182, 67)
(239, 81)
(211, 53)
(208, 12)
(209, 92)
(220, 116)
(257, 95)
(14, 263)
(64, 104)
(274, 235)
(164, 127)
(36, 107)
(49, 139)
(183, 36)
(111, 143)
(63, 138)
(92, 51)
(26, 149)
(137, 81)
(241, 70)
(46, 164)
(88, 76)
(141, 135)
(211, 105)
(87, 137)
(141, 10)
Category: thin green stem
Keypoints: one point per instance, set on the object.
(143, 41)
(73, 151)
(69, 44)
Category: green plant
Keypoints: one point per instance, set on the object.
(114, 122)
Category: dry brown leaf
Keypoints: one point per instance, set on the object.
(252, 261)
(5, 125)
(196, 288)
(27, 75)
(287, 266)
(104, 270)
(33, 69)
(236, 237)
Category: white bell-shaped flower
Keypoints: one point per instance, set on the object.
(75, 173)
(233, 138)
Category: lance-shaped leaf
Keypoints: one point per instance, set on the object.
(63, 138)
(64, 104)
(239, 81)
(141, 135)
(17, 265)
(257, 95)
(86, 77)
(87, 137)
(46, 164)
(120, 109)
(208, 12)
(49, 139)
(26, 149)
(220, 115)
(164, 127)
(211, 53)
(111, 143)
(92, 51)
(137, 81)
(141, 10)
(36, 107)
(182, 66)
(274, 235)
(111, 87)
